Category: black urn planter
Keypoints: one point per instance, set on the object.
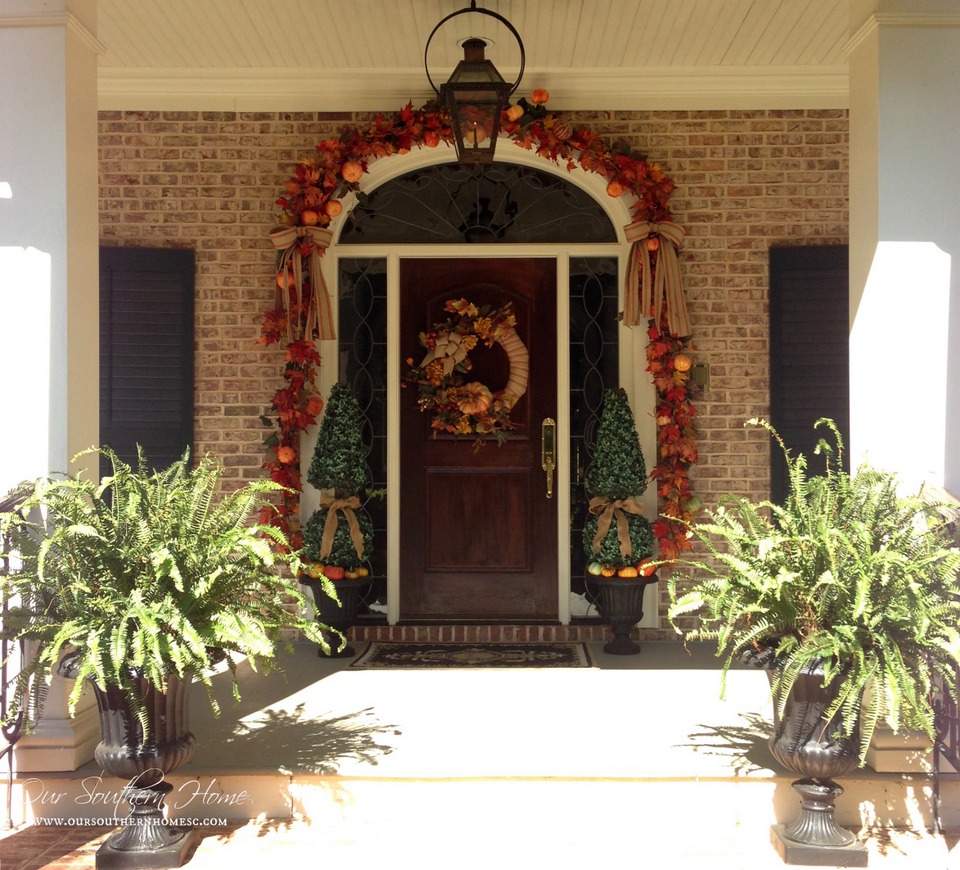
(805, 744)
(338, 615)
(621, 606)
(146, 840)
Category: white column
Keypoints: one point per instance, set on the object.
(905, 237)
(49, 276)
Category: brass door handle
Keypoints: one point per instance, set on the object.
(548, 451)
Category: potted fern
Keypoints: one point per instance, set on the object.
(846, 588)
(141, 583)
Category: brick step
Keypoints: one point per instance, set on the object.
(481, 633)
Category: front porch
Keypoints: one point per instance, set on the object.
(635, 757)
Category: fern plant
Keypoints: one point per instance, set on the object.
(147, 573)
(846, 572)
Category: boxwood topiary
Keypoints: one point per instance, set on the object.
(343, 553)
(641, 542)
(617, 469)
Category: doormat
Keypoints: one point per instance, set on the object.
(474, 655)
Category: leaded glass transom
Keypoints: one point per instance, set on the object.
(504, 202)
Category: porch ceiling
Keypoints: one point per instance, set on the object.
(368, 54)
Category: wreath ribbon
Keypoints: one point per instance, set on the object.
(662, 291)
(450, 349)
(607, 510)
(289, 241)
(348, 506)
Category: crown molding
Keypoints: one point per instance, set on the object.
(306, 89)
(56, 19)
(900, 19)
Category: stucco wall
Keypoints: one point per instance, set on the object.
(746, 180)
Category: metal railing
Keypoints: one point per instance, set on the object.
(11, 655)
(946, 744)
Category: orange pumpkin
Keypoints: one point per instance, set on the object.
(334, 572)
(478, 401)
(286, 454)
(607, 571)
(628, 571)
(539, 96)
(333, 208)
(515, 113)
(653, 243)
(431, 139)
(615, 188)
(351, 171)
(682, 363)
(309, 218)
(645, 568)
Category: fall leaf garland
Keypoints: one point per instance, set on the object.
(313, 197)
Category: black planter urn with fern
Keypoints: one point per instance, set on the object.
(846, 572)
(149, 578)
(805, 743)
(145, 758)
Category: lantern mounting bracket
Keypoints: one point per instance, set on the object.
(474, 8)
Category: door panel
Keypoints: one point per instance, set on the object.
(478, 534)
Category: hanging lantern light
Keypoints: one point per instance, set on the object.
(476, 94)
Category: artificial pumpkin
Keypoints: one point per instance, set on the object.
(682, 362)
(515, 113)
(562, 130)
(351, 171)
(478, 399)
(539, 96)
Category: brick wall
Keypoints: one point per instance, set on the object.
(746, 180)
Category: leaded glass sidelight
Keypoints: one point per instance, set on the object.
(452, 204)
(362, 348)
(594, 368)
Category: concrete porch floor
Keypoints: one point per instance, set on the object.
(635, 759)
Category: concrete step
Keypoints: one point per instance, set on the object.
(632, 754)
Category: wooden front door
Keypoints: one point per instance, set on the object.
(478, 535)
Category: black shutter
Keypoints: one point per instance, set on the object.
(809, 351)
(146, 352)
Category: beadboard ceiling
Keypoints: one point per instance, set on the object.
(368, 54)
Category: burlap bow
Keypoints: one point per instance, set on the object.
(450, 349)
(607, 510)
(319, 316)
(662, 292)
(348, 506)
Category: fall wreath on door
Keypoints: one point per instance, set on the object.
(461, 406)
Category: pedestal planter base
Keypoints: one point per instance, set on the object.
(854, 855)
(146, 841)
(621, 607)
(803, 742)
